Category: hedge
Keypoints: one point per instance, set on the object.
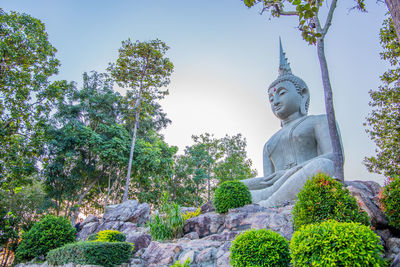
(91, 253)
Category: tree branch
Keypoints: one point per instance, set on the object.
(281, 12)
(329, 18)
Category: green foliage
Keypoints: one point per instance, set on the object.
(108, 236)
(390, 201)
(307, 12)
(92, 237)
(168, 223)
(27, 97)
(27, 203)
(143, 68)
(384, 119)
(334, 243)
(233, 164)
(207, 163)
(91, 253)
(260, 248)
(49, 233)
(191, 214)
(9, 236)
(323, 198)
(231, 194)
(89, 142)
(178, 264)
(153, 162)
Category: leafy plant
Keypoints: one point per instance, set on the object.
(191, 214)
(108, 236)
(323, 198)
(169, 223)
(334, 243)
(185, 264)
(91, 253)
(231, 194)
(260, 248)
(390, 201)
(92, 237)
(49, 233)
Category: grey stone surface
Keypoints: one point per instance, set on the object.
(366, 193)
(207, 207)
(128, 211)
(300, 149)
(396, 261)
(124, 217)
(139, 239)
(393, 245)
(204, 224)
(161, 254)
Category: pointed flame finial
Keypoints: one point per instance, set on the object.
(284, 67)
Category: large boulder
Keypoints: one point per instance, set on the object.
(128, 211)
(124, 217)
(366, 193)
(204, 224)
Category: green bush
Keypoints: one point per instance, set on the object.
(169, 224)
(260, 248)
(231, 194)
(108, 236)
(323, 198)
(92, 237)
(333, 243)
(91, 253)
(49, 233)
(390, 201)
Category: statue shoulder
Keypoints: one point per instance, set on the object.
(318, 119)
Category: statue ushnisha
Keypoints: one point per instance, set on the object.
(300, 149)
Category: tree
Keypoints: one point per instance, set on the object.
(234, 164)
(143, 68)
(26, 96)
(153, 162)
(89, 144)
(384, 120)
(314, 32)
(394, 9)
(208, 162)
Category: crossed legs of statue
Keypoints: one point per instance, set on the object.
(289, 184)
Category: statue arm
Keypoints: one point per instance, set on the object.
(268, 167)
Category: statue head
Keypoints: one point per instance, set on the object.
(291, 84)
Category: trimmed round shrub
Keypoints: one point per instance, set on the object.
(91, 253)
(110, 236)
(333, 243)
(323, 198)
(231, 194)
(260, 248)
(390, 201)
(49, 233)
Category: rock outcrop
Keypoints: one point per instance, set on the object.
(207, 238)
(126, 218)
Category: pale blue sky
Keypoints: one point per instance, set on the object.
(225, 56)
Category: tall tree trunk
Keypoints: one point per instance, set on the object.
(394, 9)
(128, 175)
(333, 131)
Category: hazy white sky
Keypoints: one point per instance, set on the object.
(225, 56)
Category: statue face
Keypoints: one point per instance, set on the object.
(284, 99)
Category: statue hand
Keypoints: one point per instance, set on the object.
(270, 180)
(282, 174)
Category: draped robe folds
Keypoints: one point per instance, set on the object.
(297, 151)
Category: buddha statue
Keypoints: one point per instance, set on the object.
(299, 150)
